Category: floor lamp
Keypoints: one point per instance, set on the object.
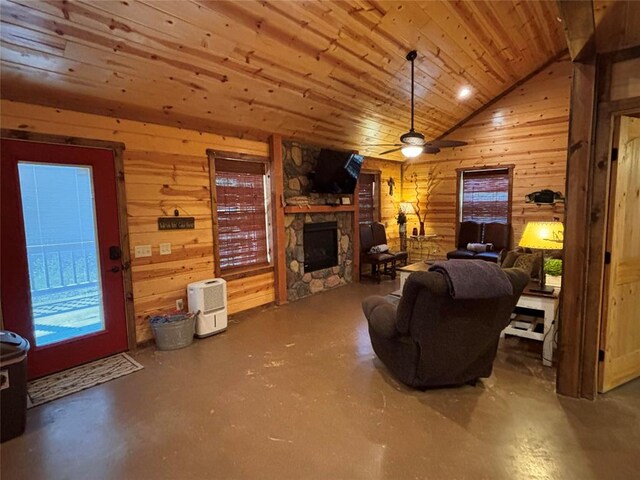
(542, 236)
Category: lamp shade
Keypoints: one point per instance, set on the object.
(543, 235)
(406, 207)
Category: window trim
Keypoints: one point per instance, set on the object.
(241, 271)
(377, 207)
(459, 174)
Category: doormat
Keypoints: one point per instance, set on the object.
(75, 379)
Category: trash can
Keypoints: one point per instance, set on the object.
(173, 330)
(13, 384)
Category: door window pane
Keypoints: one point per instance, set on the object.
(62, 251)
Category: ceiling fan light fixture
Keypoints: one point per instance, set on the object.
(411, 151)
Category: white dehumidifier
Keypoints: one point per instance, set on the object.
(208, 297)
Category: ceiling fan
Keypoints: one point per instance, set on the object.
(413, 143)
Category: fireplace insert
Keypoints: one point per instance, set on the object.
(320, 245)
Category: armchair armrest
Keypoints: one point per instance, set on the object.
(381, 316)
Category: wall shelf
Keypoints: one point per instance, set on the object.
(318, 208)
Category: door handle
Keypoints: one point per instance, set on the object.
(115, 269)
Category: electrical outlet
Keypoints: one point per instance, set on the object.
(165, 249)
(142, 251)
(180, 304)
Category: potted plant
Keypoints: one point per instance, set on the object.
(402, 220)
(553, 272)
(402, 228)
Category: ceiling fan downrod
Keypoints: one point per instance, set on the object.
(411, 56)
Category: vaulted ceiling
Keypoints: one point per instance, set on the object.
(332, 73)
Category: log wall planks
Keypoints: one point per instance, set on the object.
(166, 168)
(528, 128)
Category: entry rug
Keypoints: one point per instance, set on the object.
(75, 379)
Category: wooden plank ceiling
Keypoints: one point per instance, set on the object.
(330, 73)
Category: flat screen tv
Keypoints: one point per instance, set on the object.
(336, 172)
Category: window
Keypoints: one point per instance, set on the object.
(485, 195)
(369, 197)
(241, 190)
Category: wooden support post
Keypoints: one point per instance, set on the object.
(279, 239)
(576, 245)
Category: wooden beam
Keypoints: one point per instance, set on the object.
(279, 239)
(576, 245)
(355, 237)
(579, 28)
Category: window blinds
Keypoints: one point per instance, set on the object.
(242, 226)
(366, 198)
(485, 196)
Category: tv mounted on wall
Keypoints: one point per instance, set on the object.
(336, 171)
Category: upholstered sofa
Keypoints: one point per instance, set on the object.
(497, 234)
(430, 339)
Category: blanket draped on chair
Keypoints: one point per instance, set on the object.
(473, 279)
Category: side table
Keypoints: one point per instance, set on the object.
(538, 306)
(420, 246)
(408, 270)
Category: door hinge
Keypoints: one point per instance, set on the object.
(601, 355)
(614, 154)
(607, 258)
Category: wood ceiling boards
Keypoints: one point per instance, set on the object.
(330, 73)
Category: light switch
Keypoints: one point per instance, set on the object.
(165, 249)
(143, 251)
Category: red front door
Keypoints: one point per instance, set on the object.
(61, 273)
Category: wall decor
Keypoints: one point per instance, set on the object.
(176, 223)
(544, 197)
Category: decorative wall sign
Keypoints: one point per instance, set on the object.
(176, 223)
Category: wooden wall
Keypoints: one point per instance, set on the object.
(165, 168)
(388, 204)
(528, 128)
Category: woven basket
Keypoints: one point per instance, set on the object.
(300, 201)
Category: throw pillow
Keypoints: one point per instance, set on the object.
(510, 258)
(530, 263)
(480, 247)
(379, 248)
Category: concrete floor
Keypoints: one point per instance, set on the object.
(296, 392)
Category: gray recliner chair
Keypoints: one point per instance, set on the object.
(429, 339)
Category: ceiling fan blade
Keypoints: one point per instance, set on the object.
(383, 145)
(446, 143)
(430, 149)
(391, 151)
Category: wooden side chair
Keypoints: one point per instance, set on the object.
(380, 238)
(381, 263)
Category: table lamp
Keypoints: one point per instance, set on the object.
(542, 236)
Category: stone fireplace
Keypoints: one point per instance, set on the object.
(319, 246)
(320, 242)
(300, 281)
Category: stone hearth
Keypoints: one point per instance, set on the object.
(300, 283)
